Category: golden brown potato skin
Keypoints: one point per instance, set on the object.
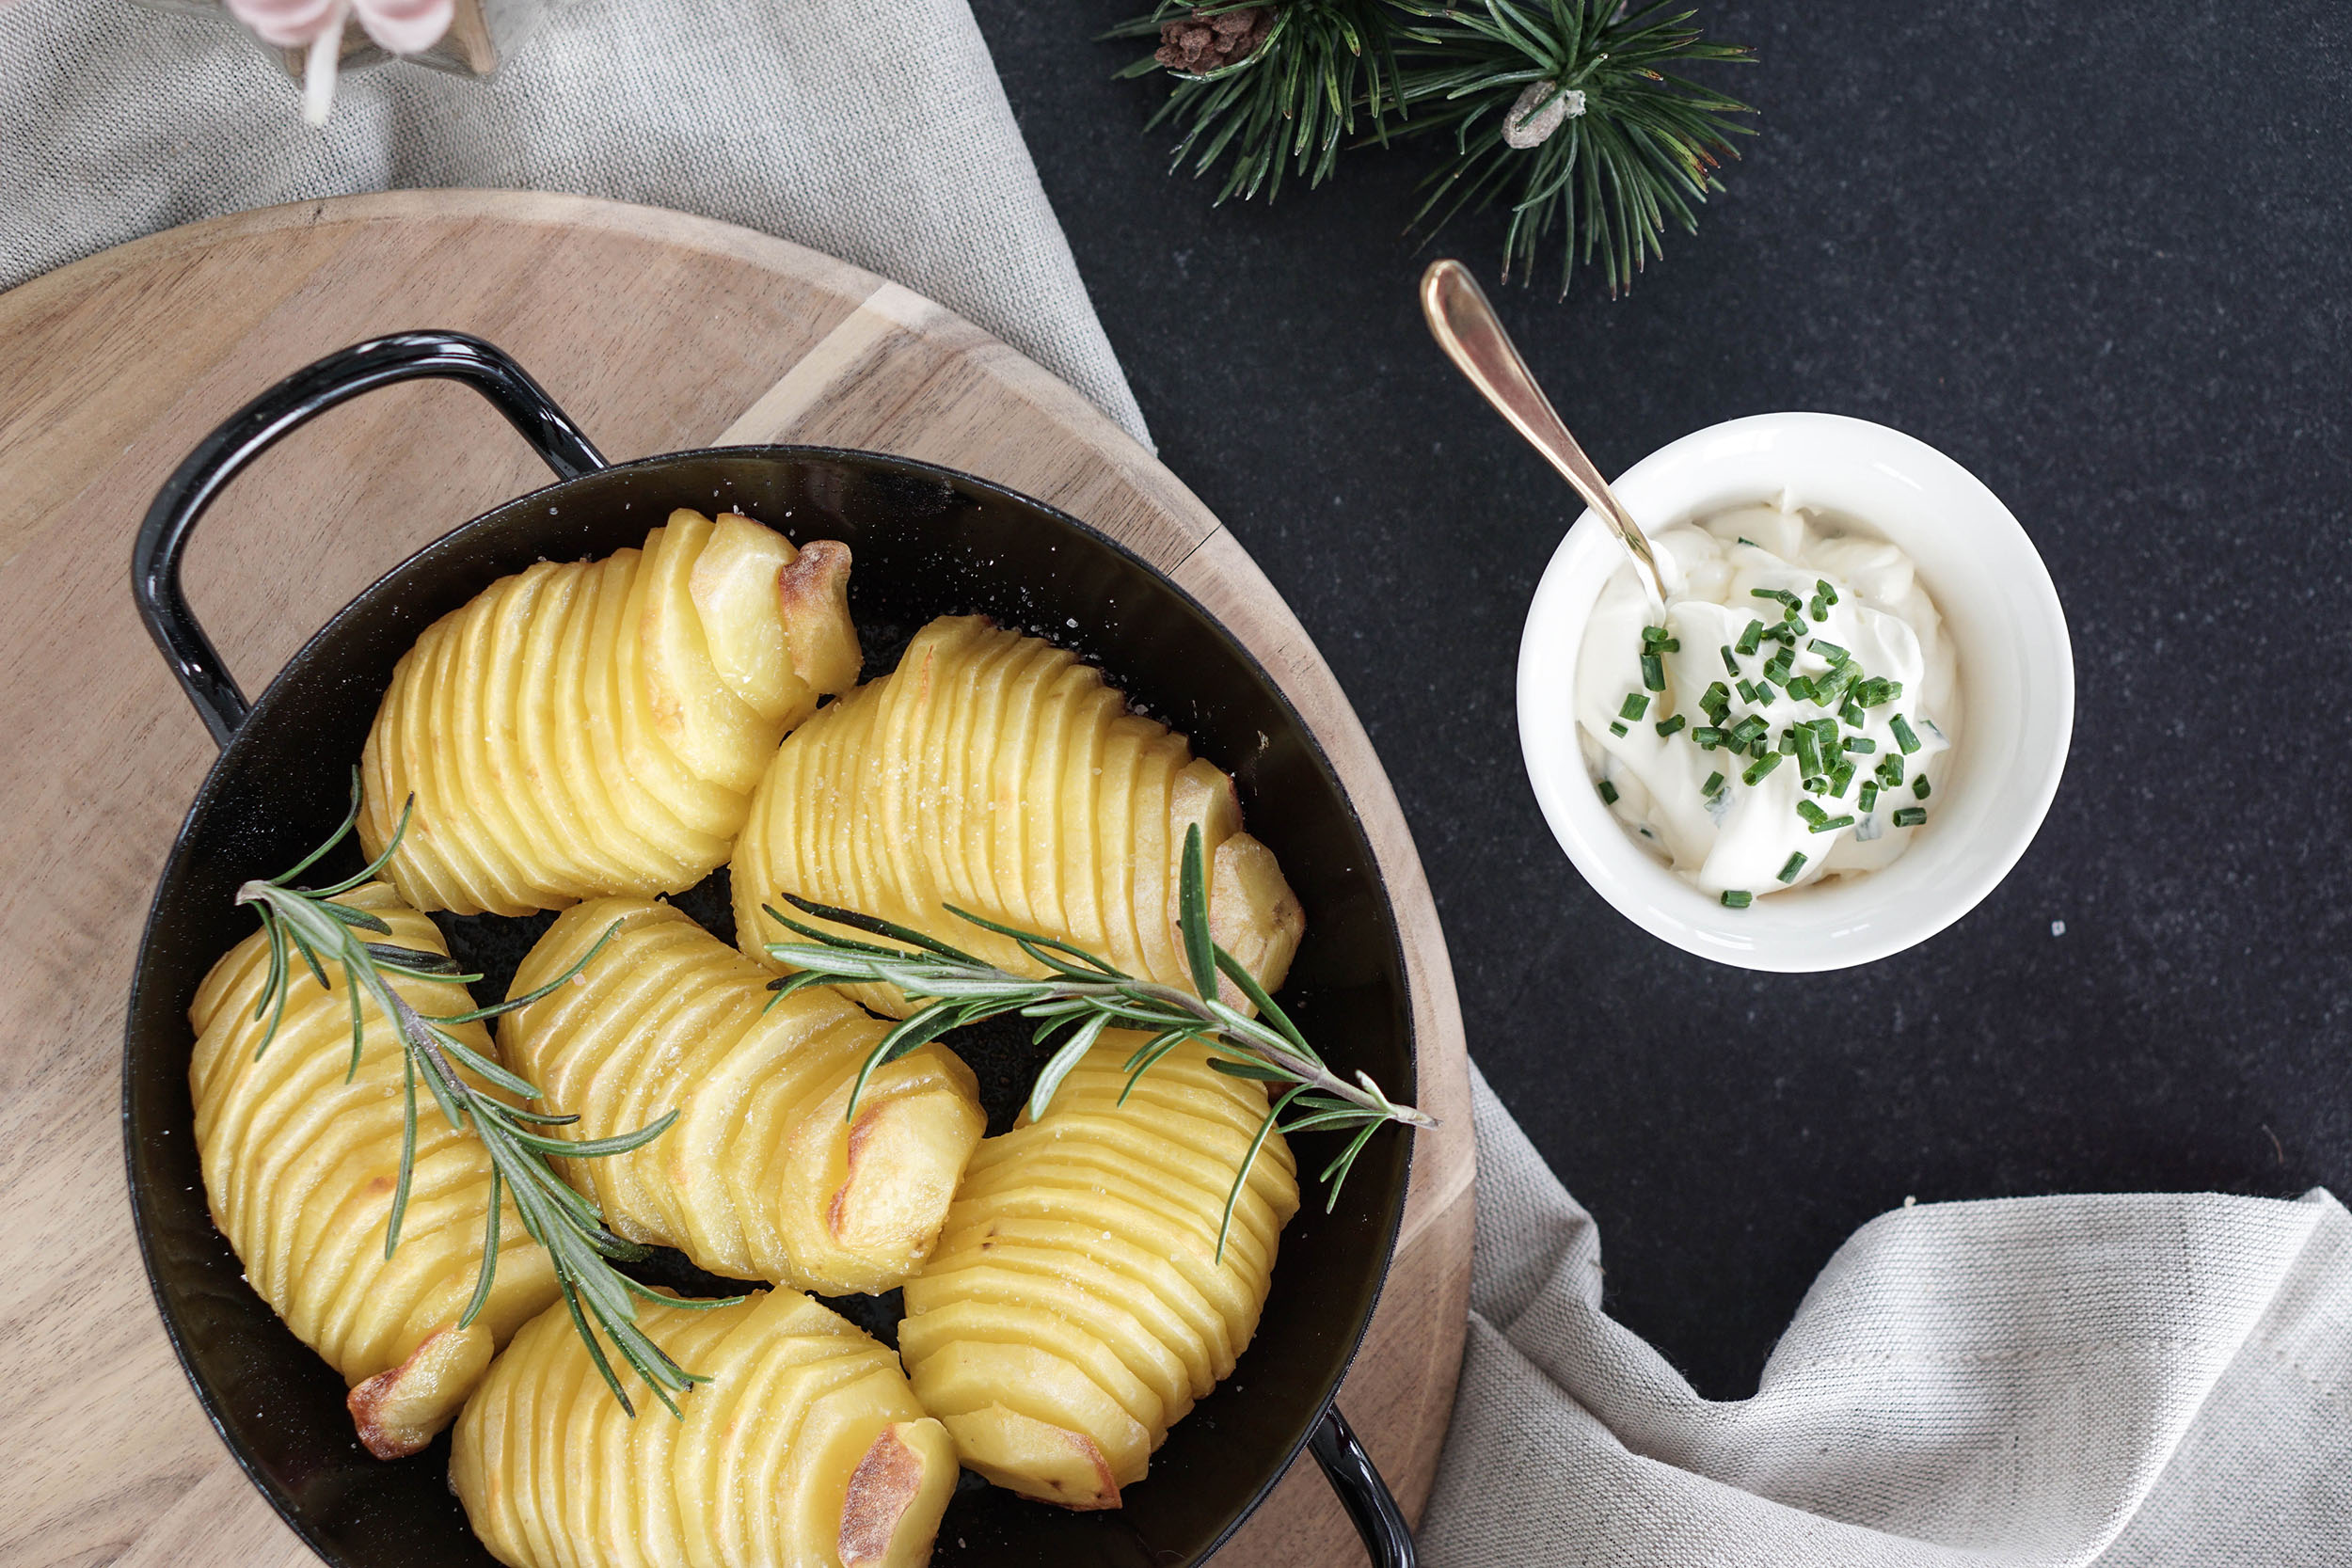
(300, 1168)
(1075, 1308)
(996, 772)
(597, 726)
(764, 1175)
(806, 1450)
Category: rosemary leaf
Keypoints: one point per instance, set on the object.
(489, 1254)
(1192, 904)
(1068, 1055)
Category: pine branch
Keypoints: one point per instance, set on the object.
(1574, 115)
(1291, 102)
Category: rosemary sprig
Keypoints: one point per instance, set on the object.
(1084, 995)
(309, 924)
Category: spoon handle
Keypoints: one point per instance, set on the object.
(1467, 328)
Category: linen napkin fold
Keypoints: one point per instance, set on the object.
(2037, 1383)
(878, 134)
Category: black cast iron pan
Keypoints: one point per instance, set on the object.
(925, 542)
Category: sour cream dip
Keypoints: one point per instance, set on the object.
(1791, 719)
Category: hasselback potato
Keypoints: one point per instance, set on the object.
(300, 1169)
(597, 726)
(805, 1449)
(996, 772)
(1075, 1308)
(764, 1176)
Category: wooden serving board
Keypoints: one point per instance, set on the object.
(658, 332)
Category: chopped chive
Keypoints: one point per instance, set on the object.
(1748, 542)
(1766, 696)
(1788, 746)
(1757, 748)
(1780, 595)
(1808, 749)
(1653, 673)
(1903, 735)
(1851, 711)
(1713, 785)
(1633, 706)
(1813, 814)
(1672, 646)
(1796, 863)
(1747, 691)
(1877, 691)
(1834, 823)
(1830, 651)
(1730, 664)
(1822, 587)
(1747, 730)
(1800, 686)
(1672, 722)
(1890, 769)
(1861, 743)
(1752, 637)
(1760, 766)
(1910, 817)
(1819, 609)
(1869, 796)
(1708, 736)
(1735, 899)
(1715, 702)
(1919, 786)
(1841, 778)
(1784, 634)
(1616, 727)
(1653, 636)
(1607, 793)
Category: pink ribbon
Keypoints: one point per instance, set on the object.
(401, 26)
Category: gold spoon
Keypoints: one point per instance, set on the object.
(1465, 327)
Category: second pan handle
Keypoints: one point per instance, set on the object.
(1367, 1499)
(268, 419)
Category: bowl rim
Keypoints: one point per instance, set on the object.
(145, 1225)
(1630, 877)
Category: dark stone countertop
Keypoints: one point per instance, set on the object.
(2102, 255)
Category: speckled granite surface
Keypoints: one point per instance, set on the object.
(2103, 256)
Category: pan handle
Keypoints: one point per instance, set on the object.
(267, 420)
(1362, 1493)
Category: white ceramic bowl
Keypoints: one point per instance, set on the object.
(2016, 682)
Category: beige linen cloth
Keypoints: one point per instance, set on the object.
(2130, 1382)
(2144, 1381)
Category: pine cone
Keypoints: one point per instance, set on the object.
(1201, 43)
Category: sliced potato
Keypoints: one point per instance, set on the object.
(806, 1445)
(300, 1166)
(996, 773)
(1077, 1305)
(764, 1175)
(588, 728)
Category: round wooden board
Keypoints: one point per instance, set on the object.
(658, 331)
